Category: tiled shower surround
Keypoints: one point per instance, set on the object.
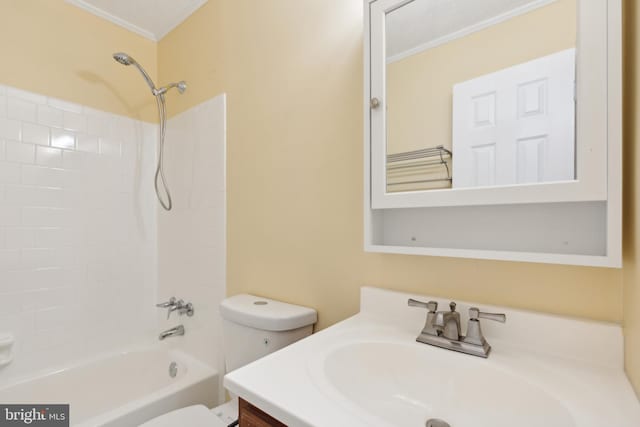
(191, 238)
(77, 231)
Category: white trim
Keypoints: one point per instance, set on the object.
(82, 4)
(479, 26)
(535, 257)
(614, 132)
(368, 212)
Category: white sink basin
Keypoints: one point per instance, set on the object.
(402, 385)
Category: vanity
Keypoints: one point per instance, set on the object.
(370, 371)
(252, 416)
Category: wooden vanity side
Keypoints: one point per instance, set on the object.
(250, 416)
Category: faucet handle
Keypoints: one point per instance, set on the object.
(429, 324)
(475, 314)
(474, 330)
(431, 306)
(177, 306)
(172, 302)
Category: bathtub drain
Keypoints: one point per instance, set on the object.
(173, 369)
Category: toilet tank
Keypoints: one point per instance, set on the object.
(254, 327)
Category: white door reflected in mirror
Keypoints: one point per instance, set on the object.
(517, 125)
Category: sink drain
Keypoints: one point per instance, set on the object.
(434, 422)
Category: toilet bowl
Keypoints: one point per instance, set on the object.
(252, 328)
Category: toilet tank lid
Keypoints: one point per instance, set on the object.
(266, 314)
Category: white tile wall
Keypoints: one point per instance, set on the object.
(191, 238)
(78, 231)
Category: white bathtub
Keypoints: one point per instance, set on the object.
(122, 390)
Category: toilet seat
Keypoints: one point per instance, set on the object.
(192, 416)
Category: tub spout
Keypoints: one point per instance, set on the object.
(178, 330)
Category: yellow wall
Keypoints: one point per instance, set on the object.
(632, 201)
(420, 87)
(293, 73)
(53, 48)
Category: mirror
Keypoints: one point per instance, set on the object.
(479, 93)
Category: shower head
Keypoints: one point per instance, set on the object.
(123, 58)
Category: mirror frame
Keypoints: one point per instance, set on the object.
(607, 113)
(597, 123)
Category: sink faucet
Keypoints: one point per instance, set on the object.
(448, 323)
(177, 331)
(442, 328)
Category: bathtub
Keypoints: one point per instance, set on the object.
(122, 390)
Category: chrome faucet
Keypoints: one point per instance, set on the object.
(442, 329)
(177, 331)
(448, 323)
(177, 305)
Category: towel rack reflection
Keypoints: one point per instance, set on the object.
(413, 162)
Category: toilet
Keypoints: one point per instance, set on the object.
(252, 328)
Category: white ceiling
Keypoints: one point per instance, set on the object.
(152, 19)
(421, 23)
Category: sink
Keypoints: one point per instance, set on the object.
(406, 384)
(369, 371)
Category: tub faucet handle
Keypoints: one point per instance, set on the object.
(170, 305)
(177, 306)
(172, 302)
(180, 306)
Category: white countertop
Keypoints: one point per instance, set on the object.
(577, 363)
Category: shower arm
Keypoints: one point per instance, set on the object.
(181, 86)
